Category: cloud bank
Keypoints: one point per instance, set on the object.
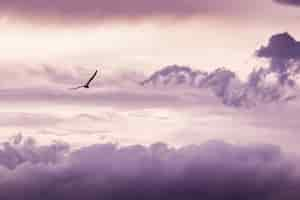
(116, 9)
(211, 171)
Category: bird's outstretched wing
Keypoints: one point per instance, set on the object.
(92, 78)
(86, 85)
(76, 87)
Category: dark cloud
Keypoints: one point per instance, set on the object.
(289, 2)
(76, 10)
(284, 54)
(212, 171)
(281, 46)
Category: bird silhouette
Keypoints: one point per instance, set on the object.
(87, 84)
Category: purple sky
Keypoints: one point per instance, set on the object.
(103, 142)
(141, 34)
(214, 171)
(48, 47)
(116, 9)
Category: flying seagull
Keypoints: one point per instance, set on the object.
(87, 84)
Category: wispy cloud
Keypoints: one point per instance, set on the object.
(20, 119)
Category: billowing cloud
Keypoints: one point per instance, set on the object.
(289, 2)
(212, 171)
(281, 46)
(116, 9)
(19, 150)
(284, 54)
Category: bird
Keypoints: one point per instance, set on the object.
(87, 84)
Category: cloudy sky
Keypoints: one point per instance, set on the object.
(47, 47)
(141, 34)
(123, 139)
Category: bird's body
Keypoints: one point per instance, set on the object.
(87, 84)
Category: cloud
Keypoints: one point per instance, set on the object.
(66, 76)
(116, 97)
(282, 46)
(20, 150)
(56, 76)
(78, 75)
(289, 2)
(77, 11)
(211, 171)
(27, 119)
(49, 83)
(284, 54)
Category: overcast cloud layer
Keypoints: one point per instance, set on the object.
(38, 101)
(211, 171)
(120, 9)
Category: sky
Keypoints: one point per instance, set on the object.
(48, 47)
(141, 35)
(119, 140)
